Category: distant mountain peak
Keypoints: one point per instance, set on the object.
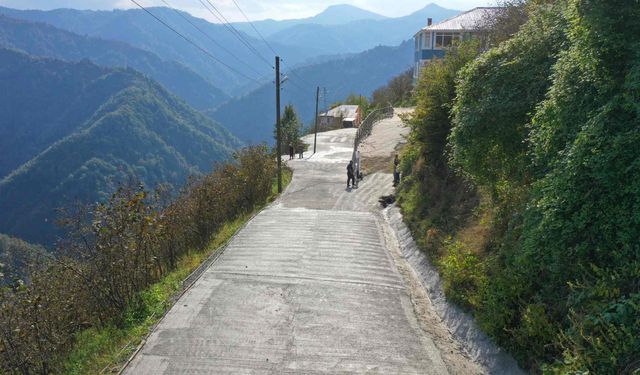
(431, 7)
(344, 13)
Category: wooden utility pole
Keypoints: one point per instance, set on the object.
(278, 130)
(315, 138)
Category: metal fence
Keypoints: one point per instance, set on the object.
(367, 125)
(365, 129)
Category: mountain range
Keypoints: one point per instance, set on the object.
(40, 39)
(74, 131)
(334, 15)
(91, 99)
(338, 30)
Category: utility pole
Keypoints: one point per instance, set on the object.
(278, 130)
(315, 138)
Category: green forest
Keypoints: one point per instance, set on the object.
(75, 132)
(522, 183)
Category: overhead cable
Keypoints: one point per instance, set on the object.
(193, 43)
(254, 28)
(220, 17)
(209, 37)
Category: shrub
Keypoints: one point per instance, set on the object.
(464, 275)
(114, 251)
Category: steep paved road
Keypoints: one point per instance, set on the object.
(311, 285)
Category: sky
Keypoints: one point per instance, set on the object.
(255, 9)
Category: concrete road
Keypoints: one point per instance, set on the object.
(309, 286)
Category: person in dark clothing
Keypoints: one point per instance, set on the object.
(350, 176)
(291, 151)
(396, 172)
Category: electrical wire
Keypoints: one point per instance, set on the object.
(220, 17)
(193, 43)
(209, 37)
(254, 28)
(298, 77)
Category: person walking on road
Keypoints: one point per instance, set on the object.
(291, 151)
(396, 172)
(350, 176)
(301, 149)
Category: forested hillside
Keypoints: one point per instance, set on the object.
(75, 131)
(361, 74)
(40, 39)
(522, 182)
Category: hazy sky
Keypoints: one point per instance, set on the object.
(255, 9)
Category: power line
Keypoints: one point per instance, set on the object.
(254, 28)
(209, 36)
(220, 17)
(302, 80)
(193, 43)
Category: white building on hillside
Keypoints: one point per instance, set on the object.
(432, 41)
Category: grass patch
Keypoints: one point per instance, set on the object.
(106, 349)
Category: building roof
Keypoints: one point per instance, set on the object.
(344, 111)
(468, 20)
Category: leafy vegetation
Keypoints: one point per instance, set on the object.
(545, 131)
(108, 347)
(75, 131)
(291, 129)
(118, 266)
(435, 196)
(15, 258)
(398, 92)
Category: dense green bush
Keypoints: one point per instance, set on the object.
(398, 92)
(548, 123)
(433, 194)
(495, 98)
(581, 238)
(113, 252)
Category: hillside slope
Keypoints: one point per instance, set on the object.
(44, 40)
(360, 74)
(85, 129)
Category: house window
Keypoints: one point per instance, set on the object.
(427, 41)
(445, 39)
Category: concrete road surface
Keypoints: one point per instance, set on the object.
(310, 286)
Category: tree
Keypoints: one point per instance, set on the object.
(291, 128)
(502, 24)
(398, 92)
